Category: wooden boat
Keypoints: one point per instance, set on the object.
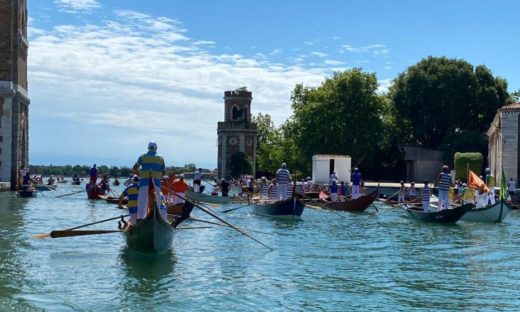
(93, 192)
(26, 193)
(112, 199)
(443, 216)
(46, 187)
(63, 181)
(78, 182)
(288, 208)
(210, 199)
(491, 213)
(359, 204)
(153, 233)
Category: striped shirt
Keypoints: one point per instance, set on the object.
(444, 181)
(264, 189)
(425, 194)
(131, 192)
(283, 176)
(273, 192)
(150, 162)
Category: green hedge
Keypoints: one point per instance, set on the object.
(475, 161)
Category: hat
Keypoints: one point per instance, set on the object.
(284, 165)
(181, 176)
(356, 169)
(488, 170)
(136, 178)
(152, 146)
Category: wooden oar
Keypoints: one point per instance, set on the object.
(194, 227)
(214, 215)
(222, 224)
(44, 235)
(322, 206)
(69, 233)
(235, 208)
(69, 194)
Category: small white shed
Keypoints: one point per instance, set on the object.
(324, 165)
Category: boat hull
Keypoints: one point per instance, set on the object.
(26, 193)
(442, 216)
(44, 187)
(491, 213)
(288, 208)
(354, 205)
(210, 199)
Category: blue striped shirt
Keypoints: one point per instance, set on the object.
(425, 194)
(150, 163)
(283, 176)
(131, 192)
(444, 182)
(273, 192)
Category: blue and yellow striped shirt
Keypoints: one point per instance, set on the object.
(150, 162)
(131, 192)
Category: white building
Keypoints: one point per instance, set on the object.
(503, 142)
(324, 165)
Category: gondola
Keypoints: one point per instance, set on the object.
(26, 193)
(210, 199)
(443, 216)
(77, 182)
(46, 187)
(153, 234)
(288, 208)
(491, 213)
(359, 204)
(112, 199)
(93, 192)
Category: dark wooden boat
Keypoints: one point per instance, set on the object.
(153, 233)
(359, 204)
(112, 199)
(443, 216)
(78, 182)
(288, 208)
(62, 181)
(46, 187)
(93, 192)
(26, 193)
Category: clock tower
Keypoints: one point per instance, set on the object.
(236, 133)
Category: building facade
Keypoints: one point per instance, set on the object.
(421, 163)
(503, 142)
(236, 133)
(14, 99)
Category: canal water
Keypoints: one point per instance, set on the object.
(370, 261)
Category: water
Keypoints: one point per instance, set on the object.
(361, 262)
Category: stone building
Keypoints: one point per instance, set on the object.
(503, 142)
(236, 133)
(421, 163)
(14, 99)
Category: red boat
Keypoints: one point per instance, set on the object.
(354, 205)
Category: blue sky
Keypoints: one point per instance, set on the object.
(106, 77)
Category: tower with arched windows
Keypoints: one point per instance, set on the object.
(14, 99)
(236, 133)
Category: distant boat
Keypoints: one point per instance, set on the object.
(27, 193)
(210, 199)
(288, 208)
(491, 213)
(441, 216)
(46, 187)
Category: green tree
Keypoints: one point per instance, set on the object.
(344, 115)
(440, 97)
(239, 164)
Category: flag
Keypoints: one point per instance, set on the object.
(504, 195)
(476, 183)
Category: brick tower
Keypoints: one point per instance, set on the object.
(236, 133)
(14, 99)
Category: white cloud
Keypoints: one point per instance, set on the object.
(333, 62)
(384, 85)
(136, 77)
(77, 5)
(318, 54)
(376, 49)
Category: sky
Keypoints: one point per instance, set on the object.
(108, 76)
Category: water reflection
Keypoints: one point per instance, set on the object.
(147, 266)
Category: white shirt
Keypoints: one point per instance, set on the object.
(511, 186)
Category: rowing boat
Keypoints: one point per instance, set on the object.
(92, 191)
(112, 199)
(26, 193)
(288, 208)
(46, 187)
(210, 199)
(153, 233)
(440, 216)
(354, 205)
(491, 213)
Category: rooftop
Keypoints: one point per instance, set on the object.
(513, 106)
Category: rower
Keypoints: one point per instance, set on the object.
(131, 193)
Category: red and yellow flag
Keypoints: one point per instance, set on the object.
(476, 183)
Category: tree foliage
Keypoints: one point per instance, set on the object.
(343, 116)
(442, 97)
(239, 164)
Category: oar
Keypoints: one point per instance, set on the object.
(193, 228)
(323, 207)
(44, 235)
(214, 215)
(235, 208)
(372, 204)
(69, 194)
(222, 224)
(69, 233)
